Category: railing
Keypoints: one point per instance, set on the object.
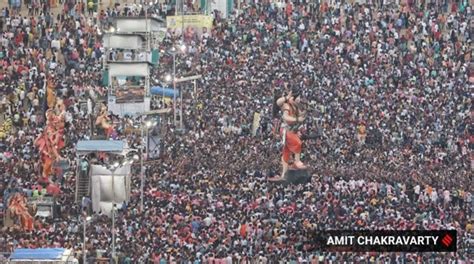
(143, 57)
(124, 88)
(4, 257)
(188, 13)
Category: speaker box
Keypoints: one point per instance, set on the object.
(294, 176)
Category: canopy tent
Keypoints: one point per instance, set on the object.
(50, 255)
(85, 147)
(167, 92)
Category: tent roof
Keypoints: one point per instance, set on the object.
(37, 254)
(87, 146)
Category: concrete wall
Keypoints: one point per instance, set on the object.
(128, 69)
(134, 25)
(131, 41)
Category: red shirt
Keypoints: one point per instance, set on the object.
(289, 9)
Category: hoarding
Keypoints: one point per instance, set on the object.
(192, 24)
(129, 89)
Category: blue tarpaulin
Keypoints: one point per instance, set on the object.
(99, 145)
(167, 92)
(37, 254)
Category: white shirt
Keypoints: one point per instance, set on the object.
(417, 189)
(434, 196)
(68, 117)
(55, 44)
(446, 195)
(53, 65)
(301, 26)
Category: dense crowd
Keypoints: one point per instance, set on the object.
(387, 94)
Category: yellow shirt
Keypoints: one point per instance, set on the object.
(468, 227)
(373, 201)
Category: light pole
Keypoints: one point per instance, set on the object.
(109, 35)
(185, 79)
(142, 176)
(113, 230)
(174, 85)
(144, 143)
(167, 79)
(173, 52)
(183, 49)
(181, 108)
(84, 252)
(115, 166)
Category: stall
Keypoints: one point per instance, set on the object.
(42, 255)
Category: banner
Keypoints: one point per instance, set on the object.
(256, 123)
(129, 89)
(192, 24)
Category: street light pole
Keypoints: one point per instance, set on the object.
(113, 211)
(146, 141)
(144, 152)
(174, 87)
(142, 176)
(181, 108)
(84, 257)
(84, 250)
(113, 232)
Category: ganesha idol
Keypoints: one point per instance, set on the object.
(103, 122)
(51, 141)
(20, 212)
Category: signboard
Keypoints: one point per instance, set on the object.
(256, 123)
(128, 99)
(129, 89)
(192, 24)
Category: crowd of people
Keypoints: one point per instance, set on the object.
(387, 95)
